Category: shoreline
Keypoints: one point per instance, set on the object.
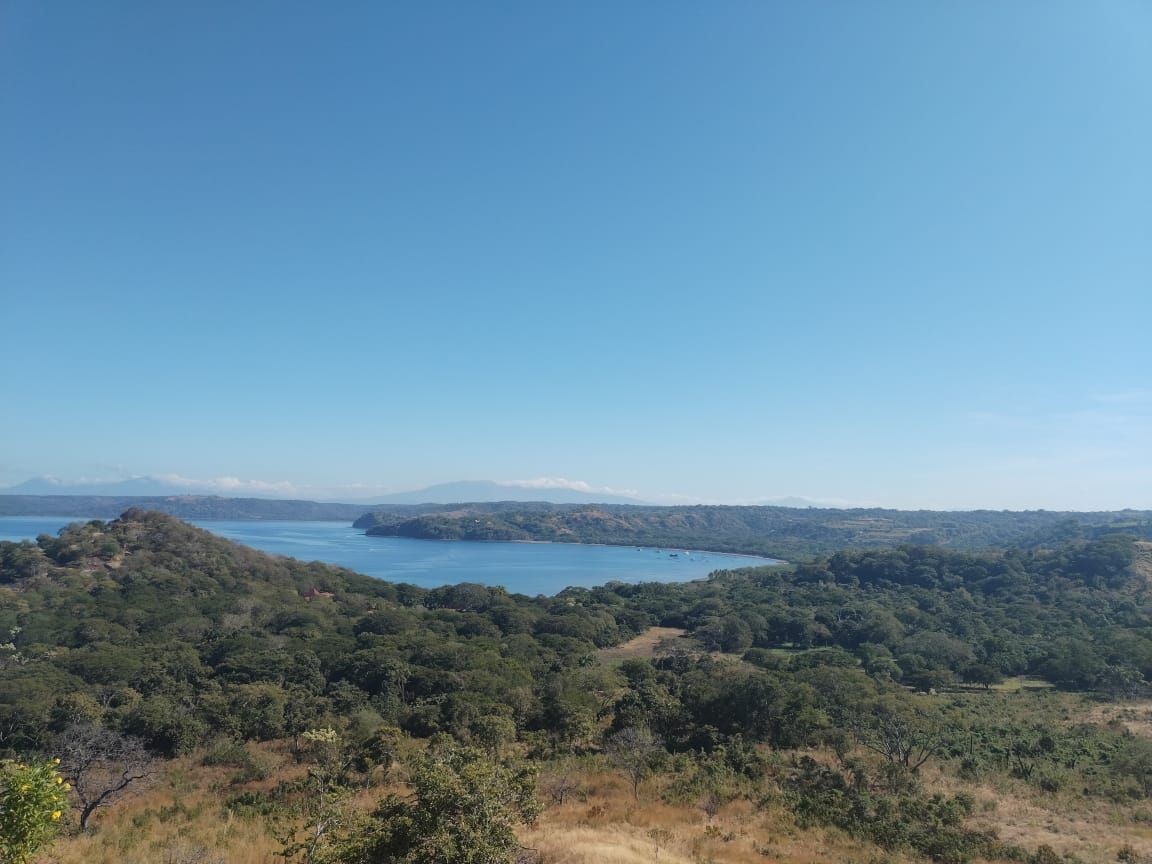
(768, 561)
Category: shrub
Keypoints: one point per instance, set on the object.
(33, 798)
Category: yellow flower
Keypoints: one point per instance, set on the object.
(56, 761)
(24, 787)
(67, 786)
(59, 780)
(55, 815)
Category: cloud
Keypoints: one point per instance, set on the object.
(564, 483)
(230, 484)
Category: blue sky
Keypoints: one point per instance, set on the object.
(875, 252)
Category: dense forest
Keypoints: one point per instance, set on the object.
(784, 532)
(162, 634)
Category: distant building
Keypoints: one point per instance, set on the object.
(314, 592)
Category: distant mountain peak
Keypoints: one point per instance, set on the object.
(486, 491)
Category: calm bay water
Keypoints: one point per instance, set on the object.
(528, 568)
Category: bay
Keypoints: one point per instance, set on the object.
(527, 568)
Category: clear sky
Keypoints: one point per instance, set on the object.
(891, 252)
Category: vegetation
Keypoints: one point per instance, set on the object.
(462, 810)
(33, 796)
(854, 693)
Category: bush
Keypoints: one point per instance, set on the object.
(464, 807)
(33, 798)
(928, 825)
(228, 752)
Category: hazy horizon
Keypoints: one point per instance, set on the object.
(891, 253)
(546, 487)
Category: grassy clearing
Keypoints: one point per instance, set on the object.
(1135, 716)
(605, 826)
(1021, 682)
(643, 646)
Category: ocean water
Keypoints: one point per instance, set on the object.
(527, 568)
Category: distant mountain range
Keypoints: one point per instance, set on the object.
(146, 486)
(483, 491)
(182, 506)
(461, 492)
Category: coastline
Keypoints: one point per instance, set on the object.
(766, 561)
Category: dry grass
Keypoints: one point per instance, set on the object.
(1091, 828)
(170, 823)
(605, 826)
(181, 820)
(183, 813)
(1136, 716)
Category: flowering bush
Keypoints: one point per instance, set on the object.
(33, 797)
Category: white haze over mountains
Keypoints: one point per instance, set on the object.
(557, 490)
(154, 484)
(553, 489)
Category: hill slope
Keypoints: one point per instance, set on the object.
(774, 531)
(781, 700)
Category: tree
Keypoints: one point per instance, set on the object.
(560, 785)
(101, 765)
(166, 726)
(983, 674)
(905, 736)
(462, 810)
(632, 751)
(32, 800)
(325, 792)
(494, 731)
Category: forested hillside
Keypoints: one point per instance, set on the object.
(784, 532)
(857, 693)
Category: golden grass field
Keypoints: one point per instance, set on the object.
(181, 819)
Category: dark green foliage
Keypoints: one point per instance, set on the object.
(928, 825)
(173, 635)
(463, 809)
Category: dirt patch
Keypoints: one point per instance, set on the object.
(643, 646)
(1136, 716)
